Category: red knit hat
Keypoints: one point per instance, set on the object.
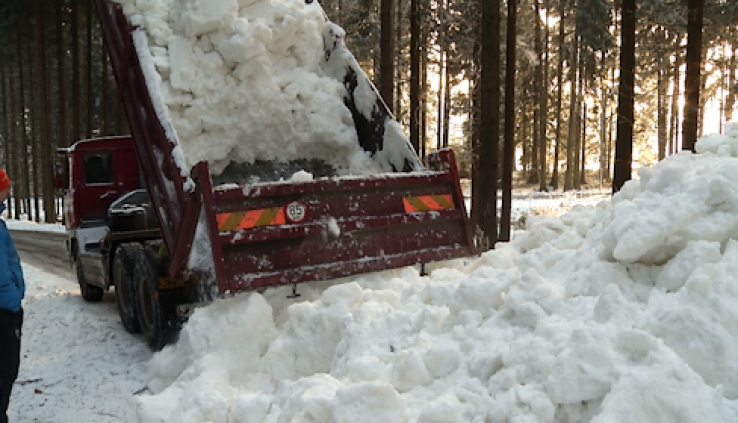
(4, 180)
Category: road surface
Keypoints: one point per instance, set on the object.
(44, 250)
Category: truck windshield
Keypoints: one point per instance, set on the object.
(99, 168)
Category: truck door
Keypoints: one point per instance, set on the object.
(100, 187)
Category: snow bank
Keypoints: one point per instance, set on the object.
(620, 312)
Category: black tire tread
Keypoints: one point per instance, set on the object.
(90, 293)
(155, 328)
(125, 289)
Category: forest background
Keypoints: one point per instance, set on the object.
(552, 83)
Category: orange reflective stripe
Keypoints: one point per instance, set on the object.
(229, 221)
(413, 204)
(428, 202)
(444, 202)
(250, 219)
(273, 216)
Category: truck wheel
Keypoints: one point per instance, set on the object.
(90, 293)
(125, 288)
(150, 315)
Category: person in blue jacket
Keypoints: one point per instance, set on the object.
(12, 290)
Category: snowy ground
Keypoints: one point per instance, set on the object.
(78, 364)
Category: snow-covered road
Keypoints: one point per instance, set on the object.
(79, 364)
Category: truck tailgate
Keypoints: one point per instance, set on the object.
(286, 232)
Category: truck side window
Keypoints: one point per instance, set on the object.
(99, 168)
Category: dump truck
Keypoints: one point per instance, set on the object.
(169, 239)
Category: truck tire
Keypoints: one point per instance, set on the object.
(154, 326)
(90, 293)
(125, 288)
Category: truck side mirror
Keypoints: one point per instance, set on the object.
(59, 182)
(61, 172)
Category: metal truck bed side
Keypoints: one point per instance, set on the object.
(176, 208)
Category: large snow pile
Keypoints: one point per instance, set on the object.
(245, 80)
(68, 374)
(622, 312)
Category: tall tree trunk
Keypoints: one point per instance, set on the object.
(582, 179)
(562, 37)
(60, 76)
(423, 101)
(46, 147)
(604, 105)
(475, 119)
(529, 114)
(661, 101)
(624, 143)
(415, 74)
(34, 140)
(442, 68)
(675, 109)
(8, 127)
(610, 146)
(571, 148)
(663, 79)
(399, 63)
(544, 108)
(730, 100)
(692, 83)
(490, 122)
(387, 61)
(509, 144)
(439, 108)
(703, 88)
(537, 110)
(446, 104)
(6, 117)
(581, 117)
(15, 144)
(76, 103)
(23, 180)
(723, 84)
(105, 98)
(89, 90)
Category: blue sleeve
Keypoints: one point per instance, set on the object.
(12, 285)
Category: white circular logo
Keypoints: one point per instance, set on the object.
(296, 212)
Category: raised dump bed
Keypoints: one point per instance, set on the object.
(278, 233)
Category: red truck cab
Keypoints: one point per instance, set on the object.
(93, 174)
(109, 219)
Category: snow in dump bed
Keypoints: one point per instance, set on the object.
(626, 311)
(246, 80)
